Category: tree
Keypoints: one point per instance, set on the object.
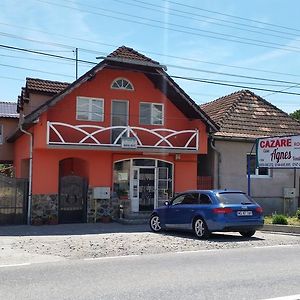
(296, 114)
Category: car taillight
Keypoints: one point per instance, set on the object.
(222, 210)
(259, 210)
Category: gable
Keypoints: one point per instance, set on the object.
(128, 59)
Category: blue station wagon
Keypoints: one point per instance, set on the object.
(206, 211)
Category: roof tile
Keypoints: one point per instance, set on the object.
(8, 110)
(129, 53)
(46, 86)
(243, 114)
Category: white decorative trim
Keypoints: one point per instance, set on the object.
(128, 131)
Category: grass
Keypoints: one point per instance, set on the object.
(291, 220)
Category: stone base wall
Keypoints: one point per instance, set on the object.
(101, 210)
(44, 209)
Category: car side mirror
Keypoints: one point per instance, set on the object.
(167, 203)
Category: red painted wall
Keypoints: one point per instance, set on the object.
(98, 165)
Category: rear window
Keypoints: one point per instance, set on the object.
(234, 198)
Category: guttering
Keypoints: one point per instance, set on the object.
(218, 161)
(30, 170)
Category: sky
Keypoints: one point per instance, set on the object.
(217, 47)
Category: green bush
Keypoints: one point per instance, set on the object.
(298, 213)
(279, 219)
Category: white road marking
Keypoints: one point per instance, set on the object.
(293, 297)
(15, 265)
(112, 257)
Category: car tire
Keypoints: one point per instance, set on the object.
(155, 223)
(248, 233)
(200, 228)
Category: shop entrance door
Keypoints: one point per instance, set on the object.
(143, 189)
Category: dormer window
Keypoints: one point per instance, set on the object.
(122, 84)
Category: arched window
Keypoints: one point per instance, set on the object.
(122, 84)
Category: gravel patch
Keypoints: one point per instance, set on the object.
(139, 243)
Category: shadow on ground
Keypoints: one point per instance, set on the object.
(70, 229)
(214, 237)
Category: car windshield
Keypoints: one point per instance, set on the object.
(234, 198)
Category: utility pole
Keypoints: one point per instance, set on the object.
(76, 63)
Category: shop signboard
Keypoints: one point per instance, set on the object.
(278, 152)
(129, 142)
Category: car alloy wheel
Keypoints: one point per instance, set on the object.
(200, 229)
(155, 223)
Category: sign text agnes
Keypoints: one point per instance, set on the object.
(278, 152)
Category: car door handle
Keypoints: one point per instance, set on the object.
(177, 210)
(192, 210)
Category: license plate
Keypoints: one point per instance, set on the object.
(244, 213)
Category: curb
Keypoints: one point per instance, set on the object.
(281, 228)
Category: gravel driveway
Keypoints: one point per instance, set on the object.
(94, 240)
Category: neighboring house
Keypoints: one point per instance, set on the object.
(123, 134)
(8, 124)
(243, 117)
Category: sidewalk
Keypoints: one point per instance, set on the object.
(71, 229)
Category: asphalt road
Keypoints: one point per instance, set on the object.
(245, 273)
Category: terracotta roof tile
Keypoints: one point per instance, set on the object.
(129, 53)
(245, 115)
(8, 110)
(46, 86)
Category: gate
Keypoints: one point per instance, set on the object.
(72, 206)
(13, 200)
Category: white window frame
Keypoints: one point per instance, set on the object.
(122, 87)
(257, 175)
(151, 117)
(1, 134)
(89, 112)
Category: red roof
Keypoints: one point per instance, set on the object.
(45, 86)
(243, 114)
(129, 53)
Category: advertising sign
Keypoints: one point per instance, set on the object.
(129, 142)
(278, 152)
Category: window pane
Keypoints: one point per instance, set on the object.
(145, 113)
(252, 164)
(144, 162)
(157, 114)
(263, 171)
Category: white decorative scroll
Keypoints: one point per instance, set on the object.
(92, 136)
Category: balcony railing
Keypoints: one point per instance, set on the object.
(90, 135)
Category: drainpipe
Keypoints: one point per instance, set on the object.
(30, 169)
(218, 161)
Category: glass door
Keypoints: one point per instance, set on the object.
(162, 186)
(146, 189)
(119, 117)
(135, 190)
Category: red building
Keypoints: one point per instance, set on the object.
(124, 134)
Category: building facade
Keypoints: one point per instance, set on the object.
(124, 135)
(243, 117)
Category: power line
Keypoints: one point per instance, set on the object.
(211, 20)
(40, 71)
(241, 41)
(150, 52)
(223, 83)
(236, 17)
(174, 66)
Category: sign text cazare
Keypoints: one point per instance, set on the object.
(278, 152)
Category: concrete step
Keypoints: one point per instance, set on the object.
(137, 215)
(133, 221)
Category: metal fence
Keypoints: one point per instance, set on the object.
(13, 200)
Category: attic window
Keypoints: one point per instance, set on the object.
(122, 84)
